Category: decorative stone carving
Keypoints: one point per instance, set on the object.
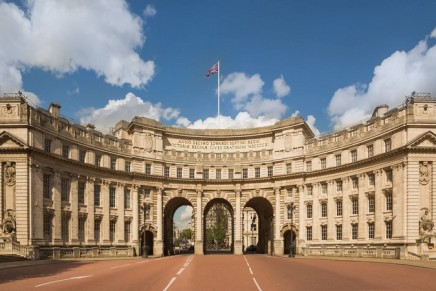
(9, 227)
(424, 173)
(288, 142)
(425, 223)
(9, 173)
(148, 143)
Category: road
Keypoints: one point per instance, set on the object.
(218, 272)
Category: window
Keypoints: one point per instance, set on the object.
(323, 163)
(370, 149)
(354, 156)
(244, 173)
(146, 193)
(231, 173)
(65, 189)
(82, 156)
(81, 192)
(112, 228)
(323, 209)
(47, 145)
(218, 174)
(47, 227)
(179, 172)
(309, 190)
(65, 225)
(148, 169)
(354, 229)
(127, 231)
(324, 188)
(257, 172)
(288, 168)
(167, 172)
(270, 171)
(82, 225)
(112, 197)
(289, 191)
(113, 163)
(309, 210)
(339, 186)
(389, 229)
(339, 232)
(98, 160)
(355, 206)
(388, 145)
(371, 204)
(127, 167)
(388, 175)
(323, 232)
(126, 198)
(371, 230)
(308, 233)
(191, 173)
(97, 224)
(46, 186)
(338, 160)
(338, 208)
(389, 201)
(147, 212)
(355, 182)
(309, 166)
(206, 173)
(65, 151)
(97, 189)
(371, 179)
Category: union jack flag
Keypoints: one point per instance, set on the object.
(214, 69)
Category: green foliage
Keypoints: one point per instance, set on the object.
(186, 234)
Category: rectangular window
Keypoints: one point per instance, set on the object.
(81, 192)
(371, 179)
(65, 189)
(65, 151)
(323, 232)
(323, 163)
(167, 172)
(388, 175)
(82, 227)
(370, 149)
(112, 197)
(257, 172)
(389, 229)
(97, 224)
(146, 193)
(244, 173)
(97, 189)
(179, 172)
(355, 182)
(339, 208)
(113, 163)
(47, 227)
(309, 166)
(127, 231)
(270, 171)
(339, 186)
(206, 174)
(354, 156)
(339, 232)
(323, 209)
(98, 160)
(47, 145)
(388, 201)
(309, 190)
(309, 210)
(112, 228)
(126, 198)
(308, 233)
(355, 206)
(354, 229)
(231, 173)
(148, 169)
(127, 167)
(371, 204)
(324, 188)
(46, 186)
(65, 225)
(371, 230)
(338, 160)
(218, 174)
(388, 145)
(289, 191)
(191, 173)
(82, 156)
(288, 168)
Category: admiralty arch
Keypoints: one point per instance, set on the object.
(69, 190)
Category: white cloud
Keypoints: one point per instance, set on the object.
(125, 109)
(150, 11)
(281, 89)
(241, 120)
(241, 87)
(433, 33)
(269, 108)
(61, 36)
(311, 123)
(396, 76)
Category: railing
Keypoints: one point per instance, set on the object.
(14, 248)
(355, 252)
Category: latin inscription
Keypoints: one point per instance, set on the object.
(224, 146)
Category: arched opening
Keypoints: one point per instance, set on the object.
(264, 223)
(218, 229)
(146, 241)
(289, 240)
(171, 234)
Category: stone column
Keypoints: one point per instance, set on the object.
(316, 213)
(37, 204)
(74, 210)
(398, 199)
(57, 205)
(104, 202)
(238, 242)
(89, 195)
(159, 242)
(278, 240)
(198, 225)
(331, 227)
(119, 237)
(346, 210)
(379, 206)
(135, 222)
(363, 204)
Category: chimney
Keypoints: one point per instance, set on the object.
(54, 109)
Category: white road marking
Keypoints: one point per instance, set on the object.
(257, 285)
(169, 284)
(120, 266)
(180, 271)
(57, 281)
(250, 270)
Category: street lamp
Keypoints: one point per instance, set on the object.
(253, 225)
(145, 209)
(291, 209)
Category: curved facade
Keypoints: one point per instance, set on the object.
(363, 191)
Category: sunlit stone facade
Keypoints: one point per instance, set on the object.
(367, 190)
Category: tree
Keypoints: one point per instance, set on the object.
(186, 234)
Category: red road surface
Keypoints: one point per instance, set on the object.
(218, 272)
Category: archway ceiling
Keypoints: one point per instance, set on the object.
(261, 205)
(174, 203)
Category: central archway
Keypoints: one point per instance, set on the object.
(218, 231)
(264, 211)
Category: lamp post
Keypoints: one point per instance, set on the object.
(291, 209)
(253, 225)
(145, 209)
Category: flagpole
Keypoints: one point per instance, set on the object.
(219, 118)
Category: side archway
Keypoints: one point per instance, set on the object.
(290, 234)
(146, 239)
(264, 214)
(218, 230)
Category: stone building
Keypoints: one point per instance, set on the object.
(368, 190)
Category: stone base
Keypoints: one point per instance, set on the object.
(238, 248)
(198, 247)
(278, 248)
(158, 248)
